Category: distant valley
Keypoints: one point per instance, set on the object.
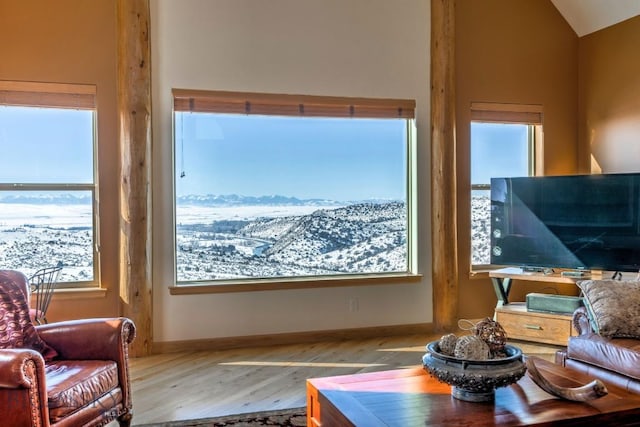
(358, 238)
(230, 237)
(219, 237)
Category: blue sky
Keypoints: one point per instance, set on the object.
(498, 150)
(338, 159)
(45, 145)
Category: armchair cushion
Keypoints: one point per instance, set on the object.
(16, 327)
(613, 307)
(73, 384)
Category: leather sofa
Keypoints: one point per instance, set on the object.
(613, 360)
(83, 381)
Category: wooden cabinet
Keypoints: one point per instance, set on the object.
(520, 324)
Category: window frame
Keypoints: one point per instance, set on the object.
(61, 96)
(530, 115)
(266, 104)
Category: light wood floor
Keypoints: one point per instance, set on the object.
(187, 385)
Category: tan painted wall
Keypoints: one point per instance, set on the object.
(609, 93)
(73, 41)
(511, 52)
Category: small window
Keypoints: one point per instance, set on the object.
(505, 142)
(47, 179)
(284, 187)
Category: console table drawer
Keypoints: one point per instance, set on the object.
(540, 327)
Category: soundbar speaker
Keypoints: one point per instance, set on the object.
(549, 303)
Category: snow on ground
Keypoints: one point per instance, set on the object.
(233, 241)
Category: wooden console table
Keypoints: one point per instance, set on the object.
(411, 397)
(549, 328)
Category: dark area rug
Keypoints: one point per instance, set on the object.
(296, 417)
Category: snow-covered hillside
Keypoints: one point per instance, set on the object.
(359, 238)
(224, 240)
(480, 230)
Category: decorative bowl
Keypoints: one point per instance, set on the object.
(474, 380)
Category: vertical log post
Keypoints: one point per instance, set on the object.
(134, 113)
(443, 166)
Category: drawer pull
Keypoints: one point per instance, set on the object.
(536, 327)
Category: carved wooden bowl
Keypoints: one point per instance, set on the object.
(474, 380)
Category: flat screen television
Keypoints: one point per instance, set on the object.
(589, 222)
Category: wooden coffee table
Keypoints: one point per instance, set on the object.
(411, 397)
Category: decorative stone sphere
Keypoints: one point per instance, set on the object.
(471, 347)
(447, 344)
(492, 333)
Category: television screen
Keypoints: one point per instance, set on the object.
(576, 222)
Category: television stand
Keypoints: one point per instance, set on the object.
(502, 280)
(518, 323)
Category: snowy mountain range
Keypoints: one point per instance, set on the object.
(38, 198)
(57, 198)
(237, 200)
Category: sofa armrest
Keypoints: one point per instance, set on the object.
(581, 321)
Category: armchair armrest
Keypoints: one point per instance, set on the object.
(13, 368)
(23, 388)
(86, 339)
(581, 321)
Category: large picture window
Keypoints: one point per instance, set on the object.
(506, 141)
(287, 187)
(47, 179)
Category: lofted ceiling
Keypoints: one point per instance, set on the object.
(587, 16)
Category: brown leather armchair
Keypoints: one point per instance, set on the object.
(85, 384)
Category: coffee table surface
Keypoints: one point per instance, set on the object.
(411, 397)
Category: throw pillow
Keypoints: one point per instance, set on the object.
(16, 327)
(613, 307)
